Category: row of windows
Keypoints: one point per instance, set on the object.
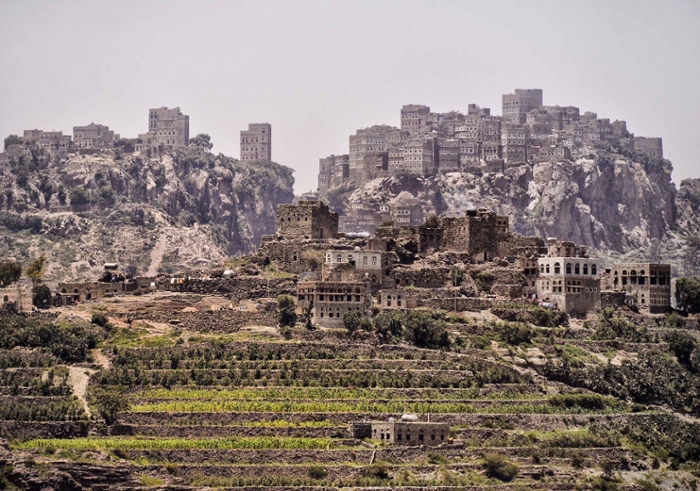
(544, 268)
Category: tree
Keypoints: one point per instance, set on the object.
(36, 269)
(111, 403)
(41, 296)
(352, 320)
(10, 272)
(12, 140)
(388, 325)
(79, 196)
(202, 141)
(286, 311)
(426, 332)
(688, 294)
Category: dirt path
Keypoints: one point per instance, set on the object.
(157, 255)
(78, 378)
(101, 359)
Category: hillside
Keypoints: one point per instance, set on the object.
(152, 215)
(226, 400)
(620, 204)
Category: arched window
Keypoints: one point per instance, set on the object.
(541, 268)
(547, 268)
(557, 268)
(5, 299)
(374, 260)
(364, 260)
(577, 268)
(339, 258)
(568, 268)
(585, 269)
(594, 270)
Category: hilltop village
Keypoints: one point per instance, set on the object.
(429, 143)
(471, 262)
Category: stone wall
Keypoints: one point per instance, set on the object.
(307, 220)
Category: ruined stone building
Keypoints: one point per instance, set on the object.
(646, 285)
(167, 128)
(94, 136)
(17, 297)
(256, 142)
(410, 433)
(14, 154)
(569, 279)
(55, 143)
(480, 233)
(307, 219)
(651, 147)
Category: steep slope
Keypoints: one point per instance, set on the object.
(163, 214)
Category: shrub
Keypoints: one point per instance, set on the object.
(377, 471)
(41, 296)
(286, 311)
(515, 333)
(586, 401)
(111, 403)
(498, 467)
(317, 472)
(99, 319)
(682, 344)
(688, 294)
(10, 272)
(484, 280)
(425, 331)
(171, 468)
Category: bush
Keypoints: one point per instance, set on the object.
(484, 280)
(498, 467)
(586, 401)
(515, 333)
(111, 403)
(99, 319)
(10, 272)
(317, 472)
(377, 471)
(286, 311)
(425, 331)
(682, 344)
(389, 324)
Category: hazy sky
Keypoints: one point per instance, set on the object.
(318, 70)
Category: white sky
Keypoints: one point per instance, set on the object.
(318, 70)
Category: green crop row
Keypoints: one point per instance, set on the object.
(368, 407)
(130, 443)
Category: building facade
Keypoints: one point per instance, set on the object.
(256, 142)
(94, 136)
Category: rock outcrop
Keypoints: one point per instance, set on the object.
(156, 215)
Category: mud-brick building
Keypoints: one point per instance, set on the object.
(308, 219)
(569, 279)
(331, 299)
(646, 285)
(17, 297)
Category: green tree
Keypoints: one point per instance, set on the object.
(352, 320)
(389, 325)
(202, 141)
(12, 140)
(425, 331)
(36, 270)
(41, 296)
(10, 272)
(79, 196)
(688, 294)
(682, 344)
(286, 311)
(110, 403)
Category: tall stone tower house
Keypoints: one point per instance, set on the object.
(169, 127)
(256, 142)
(516, 106)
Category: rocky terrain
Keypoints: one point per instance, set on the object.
(186, 393)
(153, 215)
(621, 204)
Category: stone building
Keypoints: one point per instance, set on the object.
(14, 154)
(569, 279)
(17, 297)
(167, 128)
(555, 153)
(308, 219)
(363, 142)
(54, 142)
(411, 433)
(652, 147)
(481, 233)
(516, 106)
(646, 285)
(94, 136)
(256, 142)
(414, 117)
(330, 300)
(514, 143)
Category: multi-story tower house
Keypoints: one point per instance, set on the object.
(94, 136)
(308, 219)
(169, 127)
(568, 278)
(651, 147)
(363, 142)
(414, 118)
(332, 171)
(514, 143)
(419, 157)
(481, 233)
(517, 105)
(448, 155)
(256, 142)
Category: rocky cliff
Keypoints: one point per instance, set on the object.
(622, 205)
(154, 215)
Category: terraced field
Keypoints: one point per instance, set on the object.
(277, 414)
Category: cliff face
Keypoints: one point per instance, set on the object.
(154, 215)
(617, 204)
